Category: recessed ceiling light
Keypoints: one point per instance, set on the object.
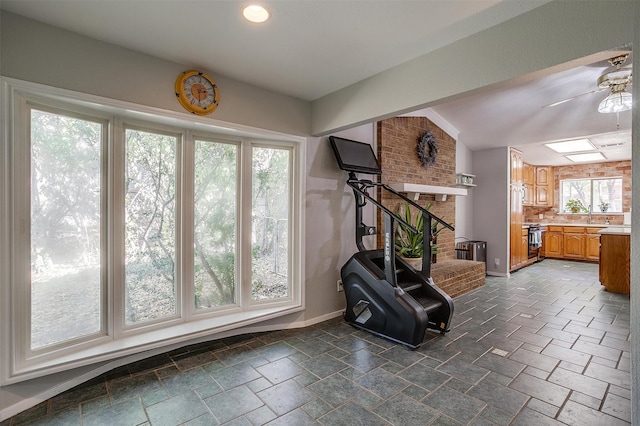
(590, 156)
(256, 13)
(575, 145)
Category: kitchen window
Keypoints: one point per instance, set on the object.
(601, 195)
(129, 234)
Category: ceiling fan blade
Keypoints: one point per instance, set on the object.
(575, 97)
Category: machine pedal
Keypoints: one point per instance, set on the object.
(408, 287)
(429, 305)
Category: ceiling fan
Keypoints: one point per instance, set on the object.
(616, 81)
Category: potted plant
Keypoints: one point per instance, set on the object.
(409, 243)
(575, 206)
(604, 206)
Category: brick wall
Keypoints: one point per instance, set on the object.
(577, 171)
(397, 151)
(458, 277)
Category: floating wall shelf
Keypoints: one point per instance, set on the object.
(414, 190)
(465, 179)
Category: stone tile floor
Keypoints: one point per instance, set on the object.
(545, 346)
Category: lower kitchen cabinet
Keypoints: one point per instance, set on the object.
(592, 247)
(573, 246)
(614, 263)
(572, 242)
(553, 242)
(524, 242)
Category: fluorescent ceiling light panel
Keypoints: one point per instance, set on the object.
(590, 156)
(576, 145)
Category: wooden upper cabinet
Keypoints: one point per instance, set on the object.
(529, 191)
(544, 186)
(516, 167)
(543, 197)
(544, 174)
(529, 174)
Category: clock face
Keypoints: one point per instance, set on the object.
(197, 92)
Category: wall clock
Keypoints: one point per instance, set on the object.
(197, 92)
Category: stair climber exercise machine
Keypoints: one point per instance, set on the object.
(385, 295)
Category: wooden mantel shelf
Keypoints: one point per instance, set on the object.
(414, 190)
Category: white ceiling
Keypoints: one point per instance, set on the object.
(309, 49)
(518, 114)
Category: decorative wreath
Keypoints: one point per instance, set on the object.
(427, 149)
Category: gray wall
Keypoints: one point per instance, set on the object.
(491, 206)
(40, 53)
(330, 220)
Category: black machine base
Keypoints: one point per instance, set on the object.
(401, 314)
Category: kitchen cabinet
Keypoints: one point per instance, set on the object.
(614, 262)
(544, 175)
(572, 242)
(592, 246)
(529, 174)
(529, 180)
(538, 182)
(529, 198)
(524, 246)
(517, 255)
(573, 246)
(517, 166)
(544, 186)
(553, 242)
(543, 196)
(516, 212)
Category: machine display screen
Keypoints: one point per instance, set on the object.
(355, 156)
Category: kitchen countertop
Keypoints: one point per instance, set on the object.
(616, 230)
(588, 225)
(606, 229)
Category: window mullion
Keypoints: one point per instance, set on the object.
(245, 224)
(179, 201)
(185, 244)
(117, 196)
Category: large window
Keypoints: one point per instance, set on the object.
(270, 205)
(602, 195)
(150, 226)
(215, 224)
(66, 228)
(126, 233)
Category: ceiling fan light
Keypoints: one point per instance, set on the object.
(617, 101)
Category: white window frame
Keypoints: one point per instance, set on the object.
(116, 340)
(188, 223)
(21, 202)
(591, 207)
